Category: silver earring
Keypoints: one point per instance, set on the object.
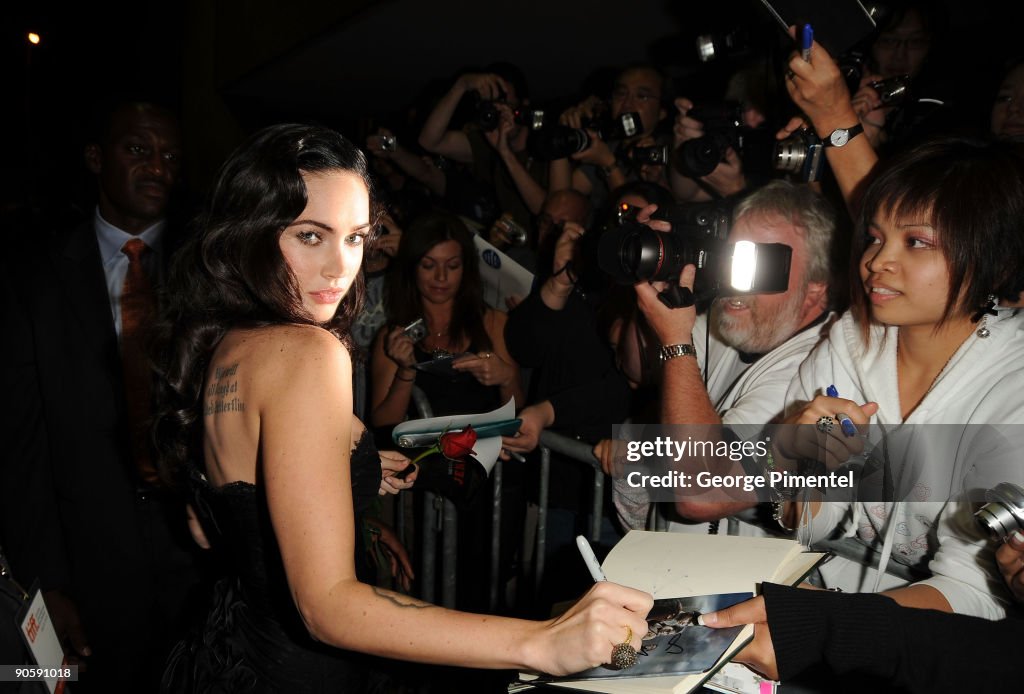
(987, 310)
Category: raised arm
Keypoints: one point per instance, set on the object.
(818, 89)
(391, 376)
(436, 136)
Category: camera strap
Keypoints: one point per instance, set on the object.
(675, 296)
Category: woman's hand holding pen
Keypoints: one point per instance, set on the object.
(583, 637)
(824, 436)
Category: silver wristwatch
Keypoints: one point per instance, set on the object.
(840, 136)
(681, 350)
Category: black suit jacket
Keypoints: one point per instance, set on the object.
(72, 516)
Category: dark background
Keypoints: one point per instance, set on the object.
(233, 65)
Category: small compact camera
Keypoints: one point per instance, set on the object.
(515, 233)
(384, 143)
(656, 154)
(892, 91)
(416, 331)
(1004, 512)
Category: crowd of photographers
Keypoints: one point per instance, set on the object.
(607, 196)
(763, 157)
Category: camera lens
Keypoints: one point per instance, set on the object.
(558, 142)
(640, 254)
(1005, 511)
(487, 116)
(790, 155)
(700, 156)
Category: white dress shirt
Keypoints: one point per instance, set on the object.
(115, 263)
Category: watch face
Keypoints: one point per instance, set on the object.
(839, 137)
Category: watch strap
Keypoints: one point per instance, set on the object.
(680, 350)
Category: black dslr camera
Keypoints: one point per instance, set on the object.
(723, 128)
(488, 116)
(560, 141)
(632, 252)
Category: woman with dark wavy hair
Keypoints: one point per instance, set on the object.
(436, 277)
(258, 384)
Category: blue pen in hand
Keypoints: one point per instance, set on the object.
(845, 423)
(806, 39)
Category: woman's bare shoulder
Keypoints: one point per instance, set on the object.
(283, 350)
(274, 340)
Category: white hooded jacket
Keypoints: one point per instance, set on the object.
(978, 398)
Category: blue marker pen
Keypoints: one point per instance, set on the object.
(806, 39)
(845, 423)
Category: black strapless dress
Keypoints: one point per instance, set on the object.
(254, 639)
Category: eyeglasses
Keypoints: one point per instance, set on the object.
(891, 43)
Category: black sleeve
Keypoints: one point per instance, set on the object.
(574, 367)
(918, 650)
(30, 529)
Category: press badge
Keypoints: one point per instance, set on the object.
(41, 638)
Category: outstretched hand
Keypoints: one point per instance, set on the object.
(759, 654)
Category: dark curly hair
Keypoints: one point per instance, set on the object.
(231, 272)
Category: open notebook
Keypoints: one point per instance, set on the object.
(670, 565)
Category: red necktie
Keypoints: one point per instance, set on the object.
(138, 310)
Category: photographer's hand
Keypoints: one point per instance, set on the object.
(556, 289)
(489, 86)
(870, 111)
(685, 128)
(727, 178)
(673, 326)
(687, 189)
(498, 138)
(574, 116)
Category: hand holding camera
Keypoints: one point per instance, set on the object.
(565, 252)
(398, 345)
(488, 86)
(685, 128)
(584, 112)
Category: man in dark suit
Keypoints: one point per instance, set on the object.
(80, 506)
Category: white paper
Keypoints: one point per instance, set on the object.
(486, 448)
(501, 276)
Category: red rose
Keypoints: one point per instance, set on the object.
(456, 445)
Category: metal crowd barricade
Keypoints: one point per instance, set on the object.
(440, 517)
(576, 450)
